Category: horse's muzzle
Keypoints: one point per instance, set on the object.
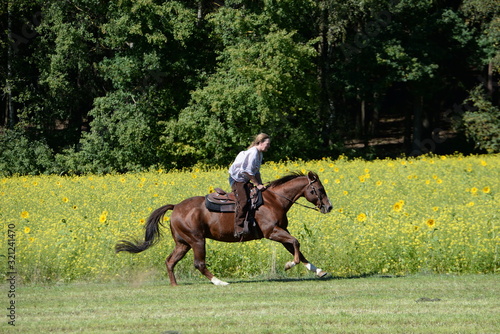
(326, 208)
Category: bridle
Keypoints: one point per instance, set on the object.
(316, 208)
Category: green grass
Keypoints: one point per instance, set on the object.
(412, 304)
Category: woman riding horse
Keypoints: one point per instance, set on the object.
(191, 223)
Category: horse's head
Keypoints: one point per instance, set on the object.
(316, 194)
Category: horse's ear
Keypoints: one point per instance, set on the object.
(312, 176)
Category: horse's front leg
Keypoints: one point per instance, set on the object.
(293, 249)
(291, 244)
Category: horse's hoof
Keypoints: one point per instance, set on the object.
(321, 273)
(289, 265)
(218, 282)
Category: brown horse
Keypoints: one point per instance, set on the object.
(191, 223)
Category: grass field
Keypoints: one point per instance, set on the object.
(413, 304)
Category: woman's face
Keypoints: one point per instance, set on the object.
(264, 145)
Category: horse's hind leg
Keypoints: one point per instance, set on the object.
(177, 254)
(199, 262)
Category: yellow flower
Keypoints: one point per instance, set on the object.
(103, 217)
(325, 181)
(361, 217)
(25, 214)
(65, 200)
(435, 208)
(430, 223)
(470, 204)
(27, 229)
(486, 190)
(473, 190)
(398, 206)
(31, 239)
(379, 183)
(362, 178)
(211, 189)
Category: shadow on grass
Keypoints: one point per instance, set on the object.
(310, 279)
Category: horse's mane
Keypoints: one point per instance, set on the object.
(285, 179)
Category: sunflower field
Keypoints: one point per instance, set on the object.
(436, 214)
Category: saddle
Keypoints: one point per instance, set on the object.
(221, 201)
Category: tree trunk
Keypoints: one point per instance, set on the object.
(376, 116)
(10, 114)
(418, 109)
(489, 83)
(324, 112)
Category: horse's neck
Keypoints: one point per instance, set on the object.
(292, 190)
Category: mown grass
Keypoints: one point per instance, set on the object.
(413, 304)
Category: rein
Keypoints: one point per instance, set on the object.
(295, 202)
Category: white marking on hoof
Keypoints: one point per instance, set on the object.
(289, 265)
(217, 281)
(320, 273)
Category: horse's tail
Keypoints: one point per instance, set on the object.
(152, 234)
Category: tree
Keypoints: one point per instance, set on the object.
(155, 55)
(265, 81)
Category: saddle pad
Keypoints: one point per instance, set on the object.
(217, 206)
(225, 203)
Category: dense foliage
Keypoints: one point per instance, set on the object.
(427, 214)
(123, 85)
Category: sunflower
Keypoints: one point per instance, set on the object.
(27, 229)
(486, 190)
(361, 217)
(431, 223)
(398, 206)
(103, 217)
(25, 214)
(65, 200)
